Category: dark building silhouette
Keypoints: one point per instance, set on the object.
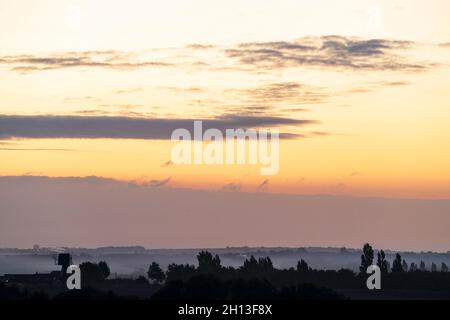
(55, 277)
(64, 260)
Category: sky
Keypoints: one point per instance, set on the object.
(95, 212)
(358, 89)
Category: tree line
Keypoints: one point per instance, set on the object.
(397, 274)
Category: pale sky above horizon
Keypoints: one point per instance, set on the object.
(94, 212)
(369, 78)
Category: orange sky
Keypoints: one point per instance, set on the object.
(379, 109)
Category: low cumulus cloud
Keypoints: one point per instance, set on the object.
(118, 127)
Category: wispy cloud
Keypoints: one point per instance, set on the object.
(82, 99)
(117, 60)
(128, 91)
(319, 134)
(285, 92)
(373, 86)
(331, 52)
(186, 89)
(269, 99)
(198, 46)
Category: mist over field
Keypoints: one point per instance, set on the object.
(134, 261)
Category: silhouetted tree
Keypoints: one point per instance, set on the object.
(250, 265)
(413, 267)
(381, 262)
(433, 267)
(404, 265)
(104, 269)
(179, 271)
(444, 267)
(302, 266)
(422, 266)
(397, 264)
(216, 261)
(366, 258)
(388, 266)
(265, 264)
(257, 266)
(208, 263)
(91, 273)
(155, 273)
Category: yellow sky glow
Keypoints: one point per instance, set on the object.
(387, 131)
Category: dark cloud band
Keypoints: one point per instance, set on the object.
(90, 127)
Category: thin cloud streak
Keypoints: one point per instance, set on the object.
(158, 183)
(34, 149)
(117, 60)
